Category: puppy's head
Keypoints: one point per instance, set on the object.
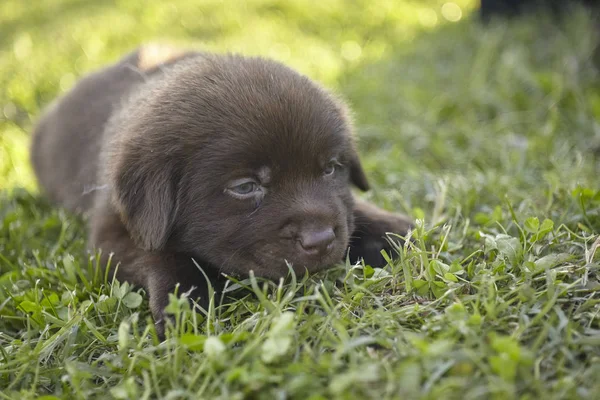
(240, 162)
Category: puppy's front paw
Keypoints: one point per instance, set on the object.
(181, 279)
(369, 236)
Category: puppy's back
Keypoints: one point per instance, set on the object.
(67, 140)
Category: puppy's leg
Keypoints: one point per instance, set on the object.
(168, 272)
(370, 227)
(158, 272)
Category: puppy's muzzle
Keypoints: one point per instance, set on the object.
(313, 232)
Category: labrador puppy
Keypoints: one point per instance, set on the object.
(238, 163)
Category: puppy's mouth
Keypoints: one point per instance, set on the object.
(271, 260)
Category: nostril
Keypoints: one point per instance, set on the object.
(316, 241)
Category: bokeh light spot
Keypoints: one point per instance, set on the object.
(351, 50)
(280, 51)
(10, 111)
(452, 12)
(93, 47)
(67, 81)
(22, 46)
(427, 17)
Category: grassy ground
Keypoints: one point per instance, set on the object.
(489, 136)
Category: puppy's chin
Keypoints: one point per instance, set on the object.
(269, 263)
(270, 252)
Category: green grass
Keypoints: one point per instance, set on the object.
(489, 136)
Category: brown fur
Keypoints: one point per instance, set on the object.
(154, 148)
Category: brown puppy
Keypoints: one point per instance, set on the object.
(239, 163)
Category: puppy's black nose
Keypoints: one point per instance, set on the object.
(316, 241)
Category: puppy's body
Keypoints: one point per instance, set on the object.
(69, 136)
(239, 163)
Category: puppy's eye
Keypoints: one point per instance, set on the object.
(331, 167)
(244, 188)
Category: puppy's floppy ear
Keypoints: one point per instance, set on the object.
(357, 174)
(145, 195)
